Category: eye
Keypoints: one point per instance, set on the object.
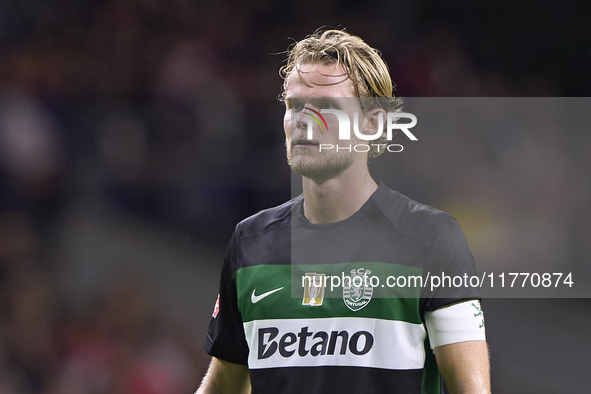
(327, 104)
(296, 105)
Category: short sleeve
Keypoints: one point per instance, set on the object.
(225, 336)
(448, 268)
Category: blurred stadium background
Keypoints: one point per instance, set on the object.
(135, 134)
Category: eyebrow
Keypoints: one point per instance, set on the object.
(317, 100)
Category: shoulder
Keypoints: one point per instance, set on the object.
(409, 217)
(266, 219)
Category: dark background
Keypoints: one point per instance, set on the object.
(135, 134)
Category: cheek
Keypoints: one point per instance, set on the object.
(333, 126)
(287, 124)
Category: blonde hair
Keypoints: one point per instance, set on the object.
(363, 65)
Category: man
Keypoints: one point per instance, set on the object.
(270, 335)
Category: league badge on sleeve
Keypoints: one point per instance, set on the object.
(216, 308)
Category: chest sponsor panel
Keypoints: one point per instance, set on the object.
(339, 341)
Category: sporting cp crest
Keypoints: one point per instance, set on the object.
(358, 291)
(314, 285)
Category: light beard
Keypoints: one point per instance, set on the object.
(328, 165)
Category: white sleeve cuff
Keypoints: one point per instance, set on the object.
(455, 323)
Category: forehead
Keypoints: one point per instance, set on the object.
(318, 80)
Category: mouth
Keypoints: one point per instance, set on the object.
(304, 143)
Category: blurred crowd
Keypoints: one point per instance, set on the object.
(166, 111)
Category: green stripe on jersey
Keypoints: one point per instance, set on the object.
(259, 297)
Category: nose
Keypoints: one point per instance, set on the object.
(300, 121)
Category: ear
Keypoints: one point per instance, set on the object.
(371, 121)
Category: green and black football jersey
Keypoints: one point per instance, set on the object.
(281, 311)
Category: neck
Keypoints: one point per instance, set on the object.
(338, 198)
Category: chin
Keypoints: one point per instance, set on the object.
(315, 170)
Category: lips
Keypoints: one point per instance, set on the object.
(305, 142)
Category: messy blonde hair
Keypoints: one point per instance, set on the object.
(363, 65)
